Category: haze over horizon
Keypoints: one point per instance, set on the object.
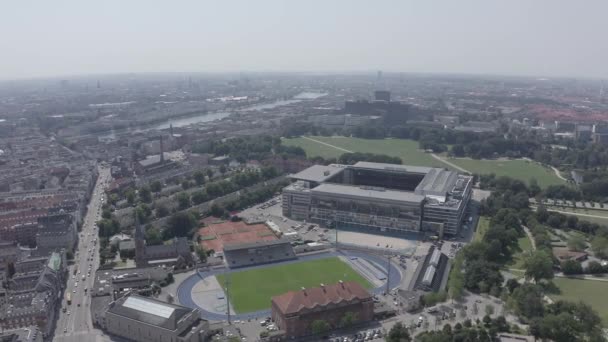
(541, 38)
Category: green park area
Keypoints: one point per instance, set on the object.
(408, 151)
(251, 290)
(598, 216)
(482, 227)
(591, 292)
(524, 247)
(523, 170)
(405, 149)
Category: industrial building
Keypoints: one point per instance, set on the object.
(379, 197)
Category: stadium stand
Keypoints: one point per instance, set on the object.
(258, 252)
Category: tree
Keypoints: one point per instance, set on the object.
(209, 173)
(599, 245)
(319, 326)
(161, 211)
(153, 237)
(130, 195)
(538, 265)
(594, 267)
(489, 310)
(183, 200)
(199, 177)
(398, 333)
(145, 195)
(186, 184)
(223, 169)
(202, 254)
(527, 300)
(179, 224)
(571, 266)
(156, 186)
(348, 319)
(576, 243)
(199, 197)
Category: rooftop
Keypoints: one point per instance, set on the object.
(317, 173)
(150, 311)
(365, 192)
(294, 301)
(254, 244)
(392, 167)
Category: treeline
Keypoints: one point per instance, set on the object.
(248, 148)
(477, 268)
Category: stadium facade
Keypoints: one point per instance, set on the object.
(379, 197)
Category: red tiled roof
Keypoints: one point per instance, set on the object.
(295, 301)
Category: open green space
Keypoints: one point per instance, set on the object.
(523, 170)
(313, 149)
(405, 149)
(524, 246)
(251, 290)
(592, 215)
(409, 152)
(591, 292)
(482, 227)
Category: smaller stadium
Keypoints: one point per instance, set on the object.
(246, 292)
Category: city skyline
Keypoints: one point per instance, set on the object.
(539, 39)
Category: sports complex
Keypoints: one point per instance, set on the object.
(250, 289)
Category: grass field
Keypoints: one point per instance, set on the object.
(408, 151)
(524, 247)
(591, 292)
(405, 149)
(251, 290)
(482, 227)
(582, 214)
(520, 169)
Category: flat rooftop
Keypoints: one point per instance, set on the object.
(392, 167)
(366, 192)
(318, 173)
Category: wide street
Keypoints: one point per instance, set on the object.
(75, 324)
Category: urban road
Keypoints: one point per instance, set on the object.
(75, 324)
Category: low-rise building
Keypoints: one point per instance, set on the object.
(144, 319)
(296, 311)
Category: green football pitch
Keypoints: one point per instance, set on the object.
(251, 290)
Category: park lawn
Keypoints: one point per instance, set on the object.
(482, 227)
(582, 214)
(313, 149)
(591, 292)
(405, 149)
(516, 168)
(524, 246)
(251, 290)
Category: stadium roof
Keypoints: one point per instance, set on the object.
(437, 182)
(150, 311)
(392, 167)
(364, 192)
(317, 173)
(295, 301)
(254, 244)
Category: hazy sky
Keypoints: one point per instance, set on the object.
(515, 37)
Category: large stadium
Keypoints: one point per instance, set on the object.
(246, 292)
(377, 197)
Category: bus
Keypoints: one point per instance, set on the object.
(68, 298)
(75, 269)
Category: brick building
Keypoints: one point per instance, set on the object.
(294, 312)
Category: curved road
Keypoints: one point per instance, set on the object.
(184, 291)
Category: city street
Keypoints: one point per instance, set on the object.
(75, 323)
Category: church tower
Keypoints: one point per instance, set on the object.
(140, 243)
